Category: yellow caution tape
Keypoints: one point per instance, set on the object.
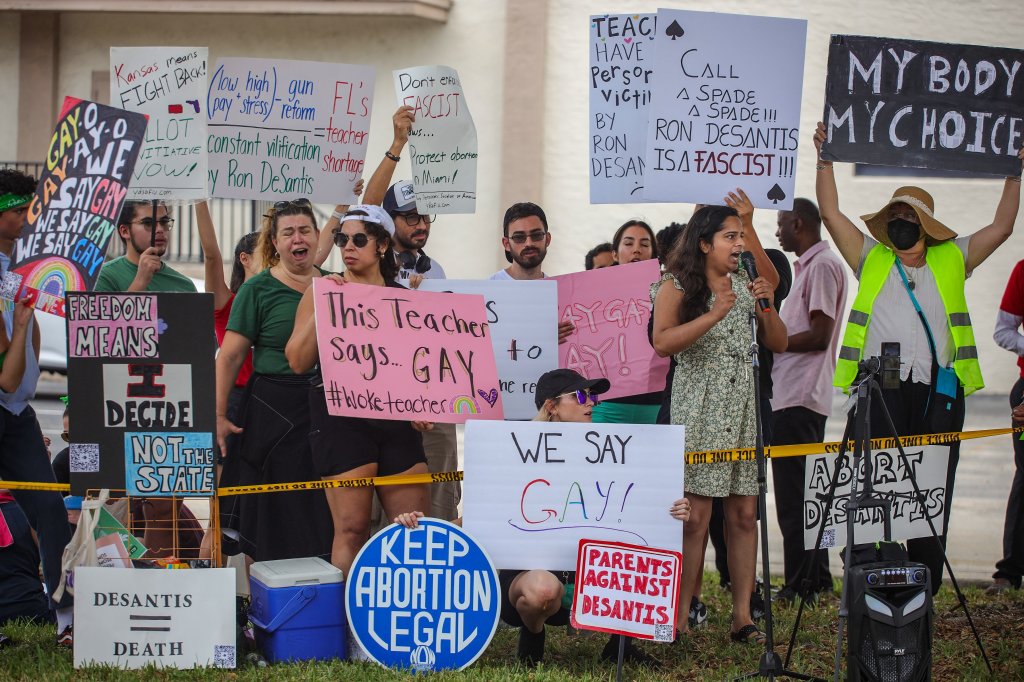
(702, 457)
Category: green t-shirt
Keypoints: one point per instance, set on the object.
(118, 275)
(264, 312)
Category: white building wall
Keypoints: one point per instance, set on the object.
(10, 43)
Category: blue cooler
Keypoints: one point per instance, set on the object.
(298, 609)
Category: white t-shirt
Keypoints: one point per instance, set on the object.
(504, 276)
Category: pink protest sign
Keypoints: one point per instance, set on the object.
(611, 308)
(390, 353)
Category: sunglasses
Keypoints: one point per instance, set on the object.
(301, 202)
(414, 219)
(521, 237)
(359, 239)
(582, 396)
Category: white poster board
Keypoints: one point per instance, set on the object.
(892, 479)
(725, 110)
(131, 618)
(533, 490)
(523, 323)
(621, 62)
(281, 129)
(167, 84)
(442, 142)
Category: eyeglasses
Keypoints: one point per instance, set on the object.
(521, 237)
(359, 239)
(301, 202)
(64, 436)
(582, 396)
(414, 219)
(148, 224)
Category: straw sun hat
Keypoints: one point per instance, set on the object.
(922, 204)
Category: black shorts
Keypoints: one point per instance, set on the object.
(341, 444)
(508, 609)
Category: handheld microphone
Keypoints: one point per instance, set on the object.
(747, 262)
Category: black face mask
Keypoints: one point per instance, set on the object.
(903, 234)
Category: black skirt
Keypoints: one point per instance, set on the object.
(274, 448)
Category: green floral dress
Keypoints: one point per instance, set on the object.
(713, 397)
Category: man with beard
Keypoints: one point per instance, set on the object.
(526, 240)
(411, 233)
(141, 267)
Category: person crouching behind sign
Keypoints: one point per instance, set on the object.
(273, 445)
(351, 447)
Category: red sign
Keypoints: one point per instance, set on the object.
(627, 589)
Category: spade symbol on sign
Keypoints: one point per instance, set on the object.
(776, 194)
(674, 30)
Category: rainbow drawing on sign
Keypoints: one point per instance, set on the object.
(54, 276)
(463, 404)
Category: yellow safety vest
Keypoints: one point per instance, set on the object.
(947, 265)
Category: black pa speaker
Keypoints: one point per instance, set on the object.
(890, 623)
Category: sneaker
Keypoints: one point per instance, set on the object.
(5, 641)
(757, 602)
(531, 647)
(66, 637)
(787, 596)
(698, 613)
(998, 586)
(630, 654)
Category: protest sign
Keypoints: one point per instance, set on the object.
(621, 64)
(389, 353)
(74, 212)
(725, 110)
(281, 129)
(892, 480)
(533, 490)
(168, 85)
(627, 589)
(610, 308)
(442, 142)
(424, 598)
(901, 102)
(142, 368)
(167, 619)
(523, 319)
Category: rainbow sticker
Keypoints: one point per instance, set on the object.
(52, 275)
(463, 404)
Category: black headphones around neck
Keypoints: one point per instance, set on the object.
(418, 264)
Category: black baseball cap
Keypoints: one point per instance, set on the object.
(561, 381)
(400, 198)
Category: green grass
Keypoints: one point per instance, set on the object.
(572, 656)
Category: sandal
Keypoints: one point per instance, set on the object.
(748, 633)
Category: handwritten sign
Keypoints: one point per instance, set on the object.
(74, 212)
(279, 129)
(928, 105)
(144, 364)
(891, 479)
(627, 589)
(442, 143)
(424, 598)
(725, 111)
(390, 353)
(168, 85)
(621, 65)
(610, 308)
(167, 619)
(533, 490)
(523, 319)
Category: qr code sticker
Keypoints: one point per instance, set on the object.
(828, 538)
(84, 458)
(9, 285)
(663, 633)
(223, 655)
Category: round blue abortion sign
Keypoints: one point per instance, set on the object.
(423, 599)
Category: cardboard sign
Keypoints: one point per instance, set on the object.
(627, 589)
(168, 85)
(75, 209)
(389, 353)
(169, 619)
(424, 599)
(523, 319)
(442, 142)
(147, 361)
(610, 308)
(901, 102)
(891, 479)
(533, 490)
(281, 129)
(621, 63)
(725, 111)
